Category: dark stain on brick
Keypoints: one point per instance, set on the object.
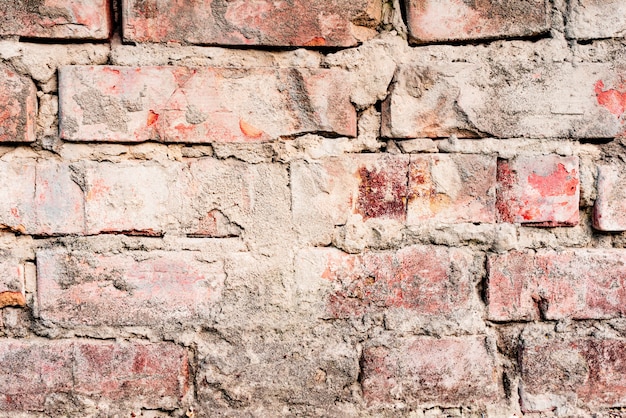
(381, 194)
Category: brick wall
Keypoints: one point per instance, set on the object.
(337, 208)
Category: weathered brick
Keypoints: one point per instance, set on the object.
(578, 284)
(59, 205)
(319, 23)
(609, 210)
(450, 371)
(18, 96)
(132, 198)
(540, 190)
(137, 288)
(411, 189)
(590, 19)
(17, 207)
(33, 372)
(429, 281)
(40, 198)
(327, 192)
(451, 188)
(179, 104)
(457, 20)
(591, 369)
(11, 283)
(491, 97)
(60, 19)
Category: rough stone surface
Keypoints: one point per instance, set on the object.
(578, 284)
(19, 107)
(539, 190)
(176, 104)
(319, 23)
(457, 20)
(58, 19)
(37, 375)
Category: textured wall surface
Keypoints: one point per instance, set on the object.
(341, 208)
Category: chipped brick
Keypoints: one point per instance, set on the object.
(539, 190)
(81, 288)
(450, 371)
(32, 373)
(319, 23)
(57, 19)
(179, 104)
(18, 96)
(576, 284)
(457, 20)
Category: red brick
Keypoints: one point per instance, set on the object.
(578, 284)
(264, 22)
(451, 371)
(18, 96)
(592, 369)
(451, 188)
(539, 190)
(609, 210)
(458, 20)
(31, 372)
(428, 281)
(178, 104)
(80, 288)
(60, 19)
(11, 283)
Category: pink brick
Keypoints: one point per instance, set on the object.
(578, 284)
(540, 99)
(127, 198)
(539, 190)
(178, 104)
(17, 208)
(428, 281)
(58, 200)
(11, 283)
(450, 371)
(40, 198)
(60, 19)
(591, 369)
(458, 20)
(264, 22)
(451, 188)
(609, 210)
(80, 288)
(31, 372)
(18, 96)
